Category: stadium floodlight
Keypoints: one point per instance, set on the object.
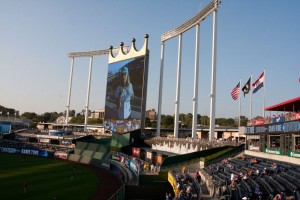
(213, 5)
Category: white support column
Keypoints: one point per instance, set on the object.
(161, 80)
(88, 95)
(177, 101)
(70, 91)
(213, 79)
(196, 75)
(250, 98)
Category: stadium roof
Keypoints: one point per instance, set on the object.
(289, 105)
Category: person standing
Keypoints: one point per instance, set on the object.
(198, 177)
(123, 95)
(25, 185)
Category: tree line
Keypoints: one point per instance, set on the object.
(186, 121)
(167, 121)
(48, 117)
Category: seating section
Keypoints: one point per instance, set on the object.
(93, 150)
(255, 178)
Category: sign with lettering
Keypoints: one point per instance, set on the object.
(282, 127)
(273, 151)
(294, 154)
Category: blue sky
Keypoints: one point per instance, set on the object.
(253, 35)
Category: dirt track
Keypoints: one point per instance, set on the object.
(108, 183)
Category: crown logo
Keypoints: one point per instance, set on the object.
(133, 52)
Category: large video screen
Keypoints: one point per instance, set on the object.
(124, 103)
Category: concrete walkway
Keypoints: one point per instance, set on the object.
(205, 192)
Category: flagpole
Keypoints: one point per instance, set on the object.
(250, 98)
(240, 104)
(264, 92)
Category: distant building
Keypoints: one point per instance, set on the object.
(151, 114)
(97, 114)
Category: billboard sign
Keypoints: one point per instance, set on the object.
(126, 91)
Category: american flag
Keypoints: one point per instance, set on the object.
(235, 92)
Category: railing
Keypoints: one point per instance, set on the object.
(120, 193)
(231, 153)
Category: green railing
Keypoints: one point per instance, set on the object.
(186, 159)
(120, 194)
(231, 153)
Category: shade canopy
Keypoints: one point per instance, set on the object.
(292, 105)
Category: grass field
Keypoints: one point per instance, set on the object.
(46, 178)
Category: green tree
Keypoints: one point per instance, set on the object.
(147, 122)
(95, 121)
(72, 113)
(204, 120)
(29, 115)
(244, 121)
(167, 121)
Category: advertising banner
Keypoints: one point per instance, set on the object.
(259, 121)
(133, 166)
(30, 152)
(60, 155)
(9, 150)
(115, 157)
(136, 152)
(44, 140)
(5, 128)
(273, 151)
(283, 127)
(126, 90)
(149, 155)
(293, 154)
(297, 116)
(123, 103)
(159, 159)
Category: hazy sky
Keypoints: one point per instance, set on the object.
(252, 35)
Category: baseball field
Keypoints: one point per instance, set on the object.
(45, 179)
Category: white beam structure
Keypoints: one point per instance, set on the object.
(88, 95)
(211, 7)
(196, 75)
(177, 101)
(161, 78)
(90, 54)
(213, 80)
(70, 90)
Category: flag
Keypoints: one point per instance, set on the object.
(259, 83)
(235, 92)
(247, 87)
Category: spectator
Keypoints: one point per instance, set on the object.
(278, 197)
(169, 196)
(258, 192)
(198, 177)
(25, 185)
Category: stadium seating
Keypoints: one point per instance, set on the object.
(280, 177)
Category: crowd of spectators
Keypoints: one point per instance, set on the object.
(255, 178)
(290, 116)
(35, 146)
(184, 185)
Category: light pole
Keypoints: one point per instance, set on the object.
(1, 114)
(7, 115)
(15, 116)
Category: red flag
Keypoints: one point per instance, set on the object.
(259, 83)
(235, 92)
